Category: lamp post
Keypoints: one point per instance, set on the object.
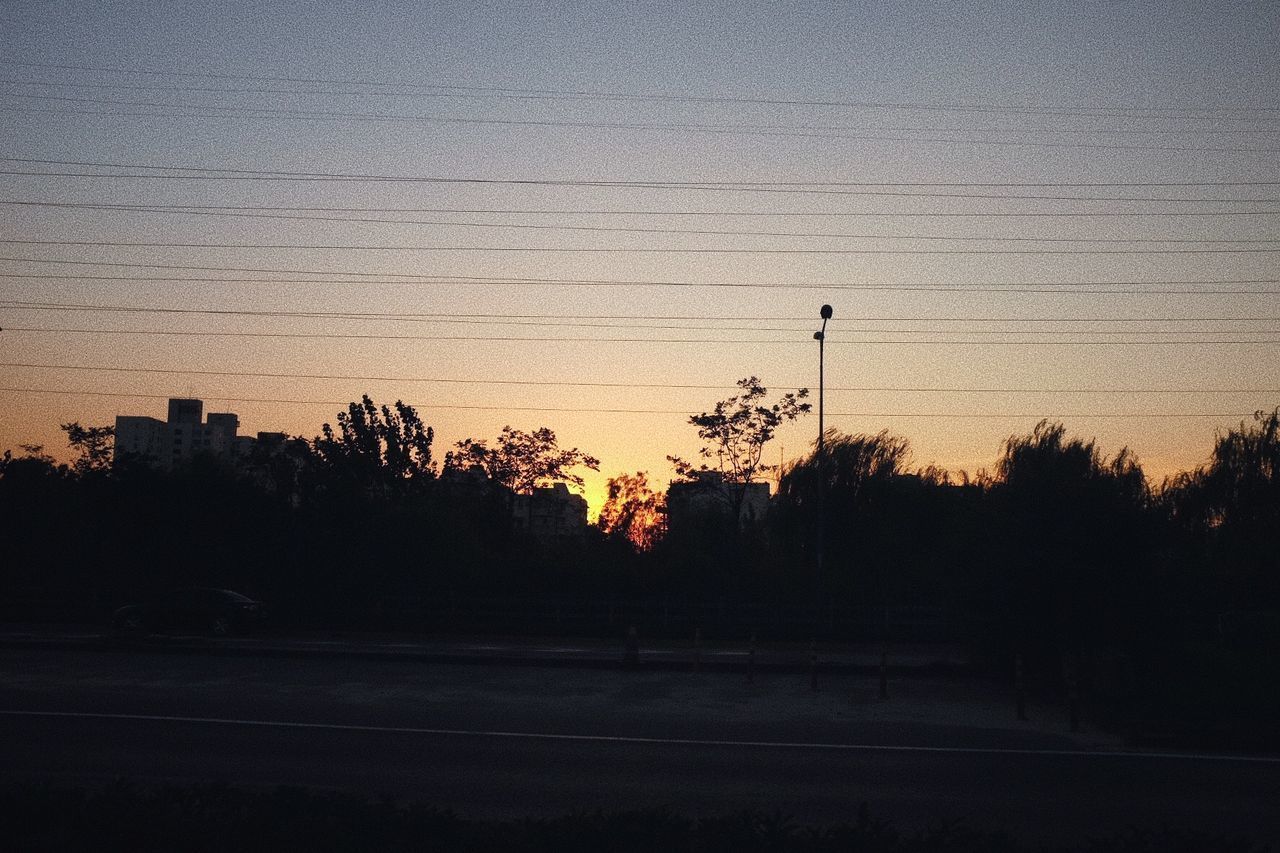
(821, 338)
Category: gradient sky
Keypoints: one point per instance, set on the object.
(1071, 102)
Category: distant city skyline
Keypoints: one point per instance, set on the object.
(1018, 211)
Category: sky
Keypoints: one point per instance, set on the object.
(598, 217)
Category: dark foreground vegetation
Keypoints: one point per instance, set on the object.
(1157, 605)
(213, 818)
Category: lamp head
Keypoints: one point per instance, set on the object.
(826, 312)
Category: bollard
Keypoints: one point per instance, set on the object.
(884, 675)
(813, 664)
(1020, 687)
(631, 658)
(1070, 674)
(751, 660)
(697, 650)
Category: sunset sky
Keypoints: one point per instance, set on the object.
(598, 217)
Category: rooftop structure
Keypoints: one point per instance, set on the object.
(551, 513)
(174, 441)
(708, 495)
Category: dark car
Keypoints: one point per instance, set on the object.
(216, 611)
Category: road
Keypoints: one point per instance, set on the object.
(509, 742)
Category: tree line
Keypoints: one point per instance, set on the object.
(1059, 546)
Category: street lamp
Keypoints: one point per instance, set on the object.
(821, 338)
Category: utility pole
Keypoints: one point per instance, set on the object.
(821, 338)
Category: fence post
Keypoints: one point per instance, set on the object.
(697, 649)
(884, 675)
(631, 657)
(751, 660)
(813, 664)
(1071, 676)
(1020, 687)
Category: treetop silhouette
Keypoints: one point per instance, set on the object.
(736, 430)
(521, 461)
(372, 443)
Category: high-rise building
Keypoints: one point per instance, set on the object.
(174, 441)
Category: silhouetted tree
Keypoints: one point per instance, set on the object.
(377, 445)
(521, 461)
(892, 535)
(1046, 461)
(633, 511)
(734, 434)
(1073, 543)
(1232, 506)
(92, 445)
(33, 463)
(853, 464)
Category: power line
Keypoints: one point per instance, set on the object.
(485, 316)
(510, 91)
(575, 410)
(258, 90)
(621, 185)
(618, 340)
(312, 115)
(371, 278)
(700, 250)
(585, 323)
(819, 131)
(629, 385)
(627, 229)
(221, 171)
(403, 319)
(191, 113)
(185, 208)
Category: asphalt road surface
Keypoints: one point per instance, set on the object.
(509, 742)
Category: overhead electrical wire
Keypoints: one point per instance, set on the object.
(511, 91)
(258, 90)
(621, 340)
(674, 250)
(483, 316)
(625, 385)
(221, 171)
(593, 182)
(622, 229)
(795, 190)
(831, 188)
(576, 410)
(619, 323)
(743, 188)
(508, 211)
(312, 115)
(1126, 287)
(803, 130)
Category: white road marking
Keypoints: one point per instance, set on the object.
(758, 744)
